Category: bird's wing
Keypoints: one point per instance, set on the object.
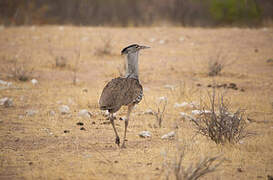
(120, 91)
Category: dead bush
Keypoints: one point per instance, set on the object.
(18, 70)
(106, 47)
(159, 114)
(218, 123)
(60, 61)
(216, 64)
(179, 171)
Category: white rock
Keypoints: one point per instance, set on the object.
(7, 102)
(183, 104)
(31, 112)
(85, 39)
(61, 28)
(181, 39)
(145, 134)
(5, 83)
(34, 81)
(186, 116)
(64, 109)
(198, 112)
(149, 111)
(162, 41)
(84, 113)
(168, 86)
(152, 40)
(52, 113)
(162, 98)
(168, 135)
(105, 113)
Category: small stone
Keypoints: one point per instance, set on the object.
(34, 81)
(5, 83)
(5, 102)
(93, 122)
(152, 40)
(168, 86)
(66, 131)
(30, 163)
(162, 41)
(80, 123)
(115, 161)
(198, 112)
(181, 39)
(168, 135)
(82, 128)
(186, 116)
(64, 109)
(183, 104)
(145, 134)
(31, 112)
(149, 112)
(239, 170)
(51, 113)
(85, 113)
(123, 118)
(85, 90)
(162, 98)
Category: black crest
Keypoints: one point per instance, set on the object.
(128, 47)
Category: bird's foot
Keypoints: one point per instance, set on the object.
(117, 141)
(123, 144)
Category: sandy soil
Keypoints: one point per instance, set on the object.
(36, 147)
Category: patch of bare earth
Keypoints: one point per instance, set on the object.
(50, 145)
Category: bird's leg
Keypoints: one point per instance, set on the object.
(130, 107)
(113, 124)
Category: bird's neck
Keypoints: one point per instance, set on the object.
(132, 65)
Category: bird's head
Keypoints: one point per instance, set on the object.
(132, 49)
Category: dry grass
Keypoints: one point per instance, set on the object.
(36, 147)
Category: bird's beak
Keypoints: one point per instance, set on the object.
(144, 47)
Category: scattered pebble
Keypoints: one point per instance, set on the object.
(31, 112)
(168, 86)
(51, 113)
(198, 112)
(85, 113)
(34, 81)
(66, 131)
(123, 118)
(162, 41)
(181, 39)
(85, 90)
(152, 40)
(93, 122)
(7, 102)
(168, 135)
(80, 123)
(64, 109)
(145, 134)
(183, 104)
(149, 112)
(5, 83)
(186, 116)
(162, 98)
(83, 129)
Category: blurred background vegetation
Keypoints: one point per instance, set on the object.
(203, 13)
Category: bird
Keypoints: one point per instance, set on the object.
(125, 90)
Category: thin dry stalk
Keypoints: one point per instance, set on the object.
(160, 111)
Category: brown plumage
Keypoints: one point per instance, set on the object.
(123, 91)
(120, 92)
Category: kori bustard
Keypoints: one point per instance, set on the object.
(123, 91)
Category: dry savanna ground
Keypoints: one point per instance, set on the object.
(41, 144)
